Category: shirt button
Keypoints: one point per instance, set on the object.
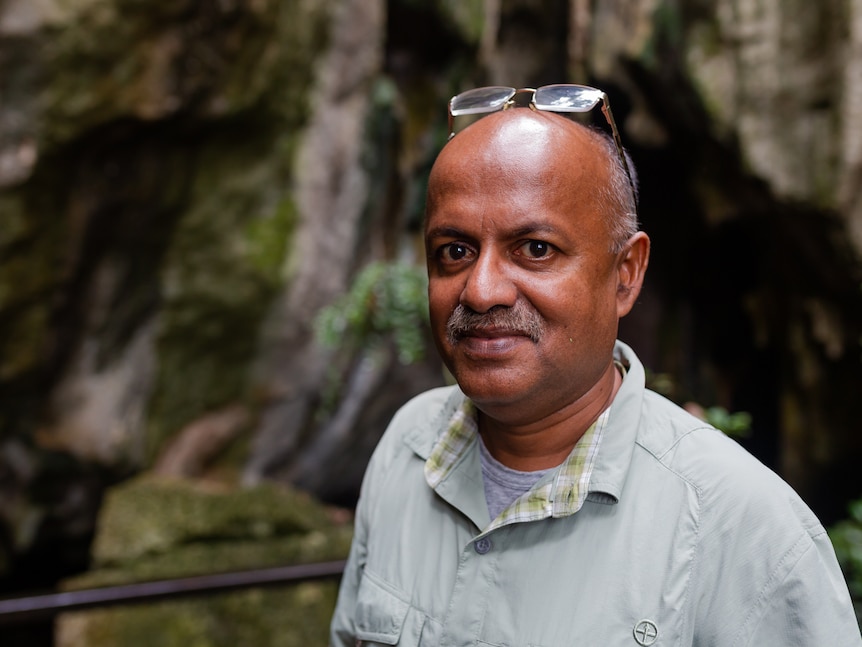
(483, 545)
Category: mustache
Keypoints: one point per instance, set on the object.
(520, 319)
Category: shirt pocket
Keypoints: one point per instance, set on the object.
(383, 617)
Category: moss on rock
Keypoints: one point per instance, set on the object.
(149, 516)
(153, 528)
(27, 275)
(296, 616)
(220, 275)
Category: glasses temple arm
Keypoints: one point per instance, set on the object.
(451, 121)
(606, 110)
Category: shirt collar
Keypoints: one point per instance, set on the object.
(613, 462)
(610, 466)
(458, 436)
(559, 493)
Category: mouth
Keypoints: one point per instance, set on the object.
(490, 343)
(490, 333)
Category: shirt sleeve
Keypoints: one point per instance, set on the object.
(809, 606)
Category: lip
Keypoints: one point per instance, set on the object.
(491, 343)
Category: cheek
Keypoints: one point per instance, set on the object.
(440, 306)
(576, 307)
(559, 302)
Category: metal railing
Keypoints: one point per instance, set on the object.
(39, 608)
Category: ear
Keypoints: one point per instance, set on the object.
(632, 263)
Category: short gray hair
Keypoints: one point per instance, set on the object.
(619, 197)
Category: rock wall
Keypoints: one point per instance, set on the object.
(147, 156)
(184, 186)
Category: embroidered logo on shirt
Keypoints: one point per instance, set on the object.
(646, 633)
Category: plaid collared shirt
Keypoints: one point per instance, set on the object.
(558, 494)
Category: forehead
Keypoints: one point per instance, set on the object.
(530, 161)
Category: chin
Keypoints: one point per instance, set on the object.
(486, 391)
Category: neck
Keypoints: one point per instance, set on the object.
(548, 441)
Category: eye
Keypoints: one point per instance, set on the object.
(535, 249)
(454, 252)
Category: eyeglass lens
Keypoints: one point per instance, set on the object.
(480, 100)
(567, 98)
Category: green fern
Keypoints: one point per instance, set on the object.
(386, 300)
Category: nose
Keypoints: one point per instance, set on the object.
(488, 284)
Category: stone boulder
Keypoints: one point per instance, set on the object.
(153, 528)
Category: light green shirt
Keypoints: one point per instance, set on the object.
(678, 537)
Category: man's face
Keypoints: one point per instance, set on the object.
(513, 232)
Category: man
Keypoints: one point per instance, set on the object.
(549, 499)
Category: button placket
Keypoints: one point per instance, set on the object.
(472, 592)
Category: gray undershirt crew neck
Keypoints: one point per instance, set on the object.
(503, 484)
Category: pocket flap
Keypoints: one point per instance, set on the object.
(380, 613)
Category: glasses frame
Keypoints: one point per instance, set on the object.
(494, 98)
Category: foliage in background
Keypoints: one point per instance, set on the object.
(735, 424)
(846, 537)
(386, 300)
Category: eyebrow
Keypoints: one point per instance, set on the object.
(533, 228)
(446, 232)
(524, 230)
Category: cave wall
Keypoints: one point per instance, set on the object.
(184, 187)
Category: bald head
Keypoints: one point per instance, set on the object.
(549, 152)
